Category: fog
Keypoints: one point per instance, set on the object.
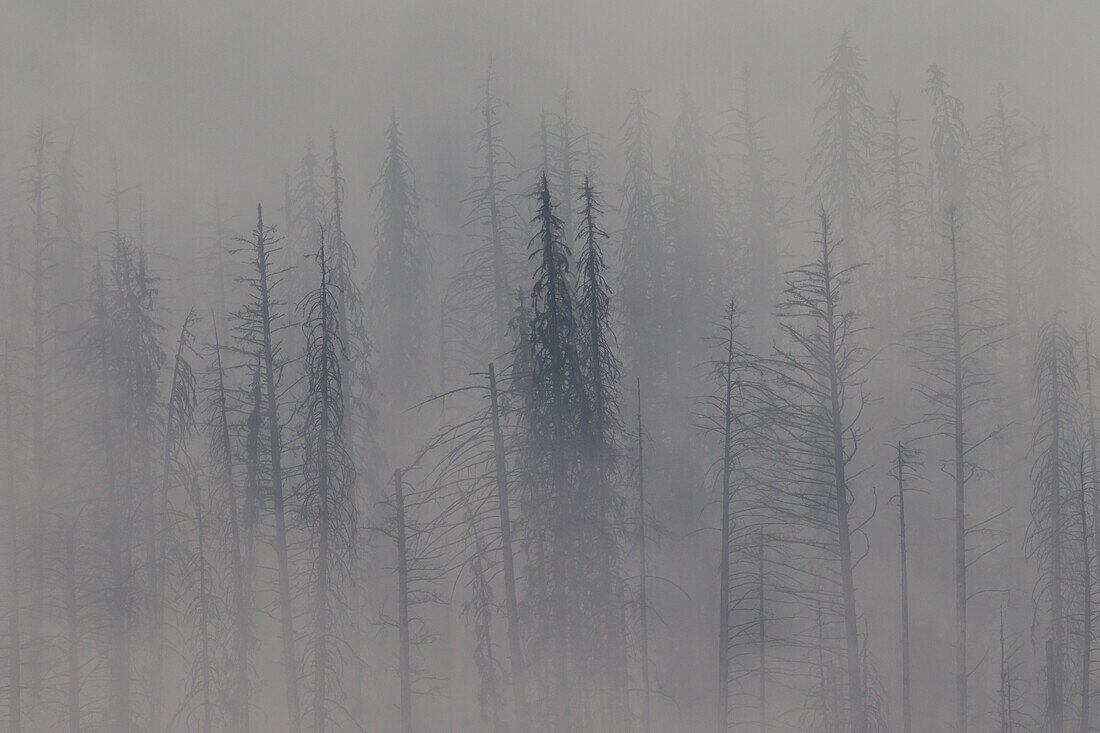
(548, 366)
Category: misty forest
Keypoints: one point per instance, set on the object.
(406, 371)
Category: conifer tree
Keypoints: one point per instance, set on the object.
(481, 291)
(758, 208)
(950, 143)
(641, 245)
(326, 497)
(728, 414)
(237, 539)
(259, 325)
(176, 471)
(819, 368)
(840, 166)
(697, 263)
(1052, 540)
(555, 510)
(895, 197)
(954, 341)
(602, 430)
(399, 279)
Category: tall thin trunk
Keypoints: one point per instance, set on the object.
(15, 645)
(515, 650)
(403, 605)
(241, 632)
(960, 484)
(1091, 425)
(762, 639)
(39, 448)
(267, 359)
(907, 714)
(1086, 601)
(839, 460)
(204, 619)
(496, 236)
(1056, 547)
(72, 623)
(324, 508)
(642, 600)
(724, 571)
(1006, 684)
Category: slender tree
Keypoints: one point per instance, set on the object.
(399, 279)
(819, 371)
(326, 497)
(258, 327)
(479, 294)
(641, 245)
(758, 207)
(557, 512)
(515, 648)
(905, 463)
(15, 642)
(1051, 535)
(840, 167)
(643, 571)
(222, 460)
(953, 340)
(728, 414)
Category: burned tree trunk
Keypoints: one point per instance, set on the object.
(511, 607)
(643, 602)
(405, 670)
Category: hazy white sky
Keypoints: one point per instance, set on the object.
(206, 97)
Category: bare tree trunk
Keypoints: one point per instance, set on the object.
(1086, 601)
(204, 619)
(642, 600)
(403, 606)
(839, 460)
(267, 359)
(515, 650)
(1052, 694)
(1056, 653)
(1006, 682)
(960, 486)
(500, 270)
(324, 509)
(623, 679)
(38, 507)
(241, 715)
(15, 645)
(907, 713)
(73, 627)
(724, 571)
(762, 638)
(1091, 426)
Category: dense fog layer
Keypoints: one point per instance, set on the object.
(512, 366)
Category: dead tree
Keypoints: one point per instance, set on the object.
(905, 466)
(478, 296)
(515, 648)
(1083, 488)
(954, 338)
(325, 500)
(818, 370)
(405, 670)
(728, 414)
(643, 571)
(1051, 540)
(178, 425)
(15, 644)
(221, 454)
(41, 272)
(258, 325)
